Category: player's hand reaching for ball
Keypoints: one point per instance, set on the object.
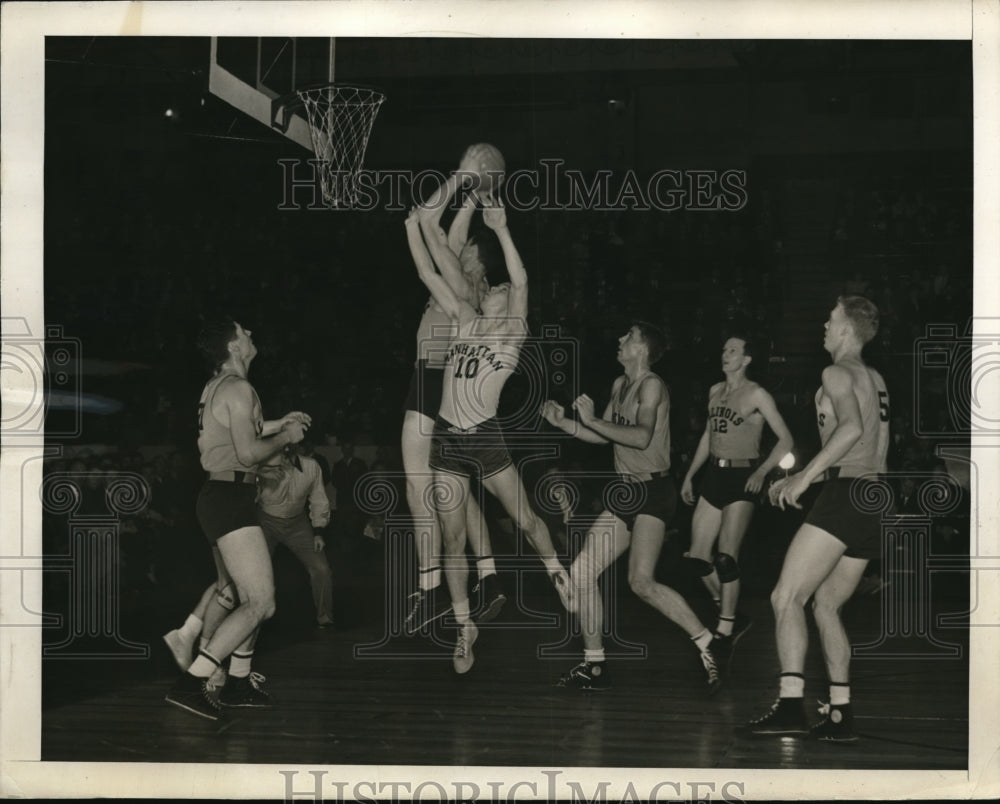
(494, 215)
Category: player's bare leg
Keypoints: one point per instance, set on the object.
(452, 497)
(426, 604)
(507, 487)
(833, 593)
(606, 540)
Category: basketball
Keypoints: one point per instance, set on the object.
(489, 164)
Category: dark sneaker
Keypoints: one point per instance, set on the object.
(491, 598)
(426, 606)
(462, 657)
(192, 693)
(837, 725)
(245, 692)
(786, 717)
(723, 645)
(713, 672)
(586, 676)
(181, 648)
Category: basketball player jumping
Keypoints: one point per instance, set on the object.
(233, 439)
(467, 438)
(637, 422)
(829, 552)
(730, 445)
(466, 276)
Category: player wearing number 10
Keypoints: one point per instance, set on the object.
(830, 550)
(467, 439)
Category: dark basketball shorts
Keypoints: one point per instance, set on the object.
(835, 512)
(224, 506)
(723, 486)
(426, 384)
(656, 498)
(480, 451)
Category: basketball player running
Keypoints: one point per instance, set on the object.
(829, 552)
(467, 439)
(730, 445)
(637, 422)
(466, 278)
(288, 481)
(233, 439)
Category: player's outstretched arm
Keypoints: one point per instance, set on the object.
(555, 414)
(495, 217)
(272, 426)
(442, 292)
(636, 435)
(458, 232)
(251, 447)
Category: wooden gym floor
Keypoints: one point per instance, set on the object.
(401, 702)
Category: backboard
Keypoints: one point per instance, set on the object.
(254, 74)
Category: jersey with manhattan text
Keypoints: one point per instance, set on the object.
(476, 368)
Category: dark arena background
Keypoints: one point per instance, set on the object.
(706, 186)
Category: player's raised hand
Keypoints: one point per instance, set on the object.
(494, 215)
(584, 406)
(553, 413)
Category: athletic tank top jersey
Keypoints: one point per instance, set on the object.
(215, 440)
(433, 335)
(869, 452)
(731, 434)
(475, 372)
(625, 410)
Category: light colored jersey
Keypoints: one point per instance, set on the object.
(476, 368)
(867, 453)
(625, 410)
(734, 423)
(215, 439)
(434, 333)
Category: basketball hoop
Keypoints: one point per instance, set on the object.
(340, 122)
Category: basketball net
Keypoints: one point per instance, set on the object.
(340, 122)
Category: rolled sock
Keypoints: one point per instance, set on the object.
(793, 685)
(430, 578)
(461, 609)
(840, 693)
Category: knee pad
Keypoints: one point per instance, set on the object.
(226, 597)
(697, 567)
(727, 568)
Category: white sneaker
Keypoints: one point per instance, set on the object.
(181, 648)
(462, 657)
